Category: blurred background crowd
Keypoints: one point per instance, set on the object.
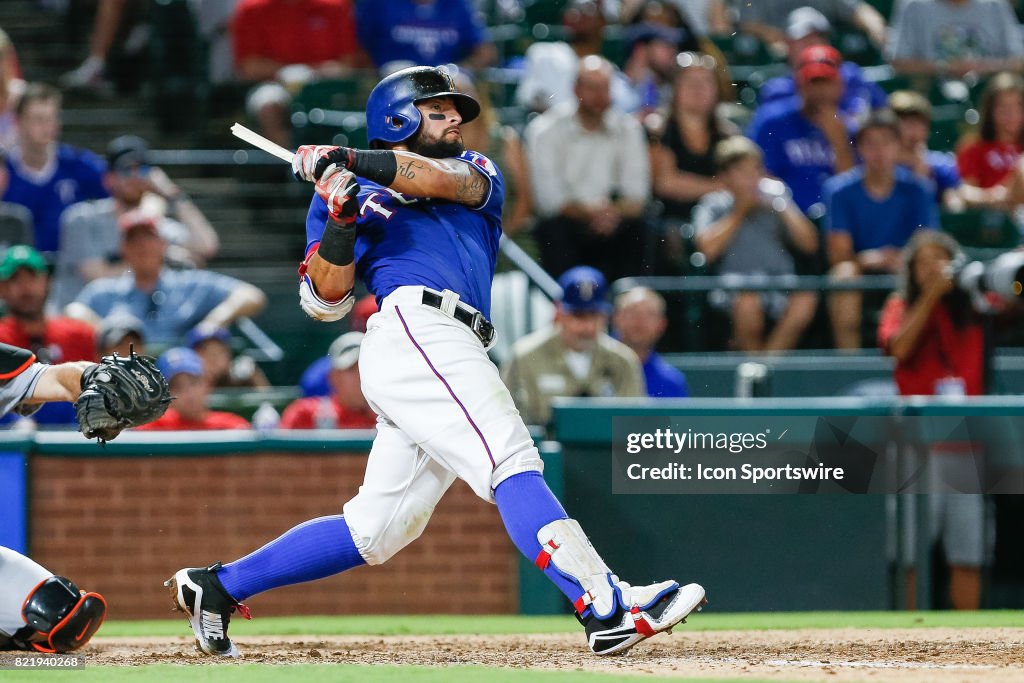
(683, 176)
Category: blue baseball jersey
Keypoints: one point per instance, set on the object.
(436, 243)
(796, 151)
(874, 223)
(73, 175)
(430, 33)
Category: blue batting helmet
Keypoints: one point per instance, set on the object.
(391, 113)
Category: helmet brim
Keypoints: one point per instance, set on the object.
(467, 107)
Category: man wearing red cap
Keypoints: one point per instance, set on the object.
(806, 140)
(807, 26)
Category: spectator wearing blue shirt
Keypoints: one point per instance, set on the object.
(423, 32)
(639, 322)
(807, 26)
(168, 302)
(44, 175)
(806, 139)
(872, 211)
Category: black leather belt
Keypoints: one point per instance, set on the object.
(474, 320)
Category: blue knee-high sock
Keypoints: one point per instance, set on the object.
(312, 550)
(526, 504)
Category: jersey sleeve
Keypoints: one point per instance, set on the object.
(91, 172)
(16, 388)
(14, 360)
(495, 200)
(775, 89)
(316, 219)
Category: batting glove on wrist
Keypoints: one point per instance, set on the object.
(304, 161)
(339, 189)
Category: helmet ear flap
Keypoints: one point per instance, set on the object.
(396, 122)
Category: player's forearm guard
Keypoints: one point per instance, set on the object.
(380, 166)
(338, 243)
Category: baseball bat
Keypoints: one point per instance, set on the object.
(257, 140)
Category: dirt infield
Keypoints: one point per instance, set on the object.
(918, 655)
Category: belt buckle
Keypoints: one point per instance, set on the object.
(482, 328)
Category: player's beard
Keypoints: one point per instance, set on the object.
(436, 148)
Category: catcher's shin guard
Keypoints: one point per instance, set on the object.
(615, 614)
(198, 593)
(59, 617)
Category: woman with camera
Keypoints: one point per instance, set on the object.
(936, 336)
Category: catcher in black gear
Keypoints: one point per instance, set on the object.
(39, 611)
(109, 396)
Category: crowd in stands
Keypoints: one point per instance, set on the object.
(636, 137)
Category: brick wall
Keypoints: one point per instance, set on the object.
(123, 525)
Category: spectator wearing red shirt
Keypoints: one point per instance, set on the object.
(282, 44)
(24, 286)
(989, 157)
(933, 331)
(183, 369)
(931, 328)
(345, 407)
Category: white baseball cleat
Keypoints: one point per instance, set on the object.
(654, 609)
(198, 593)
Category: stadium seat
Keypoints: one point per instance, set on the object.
(331, 110)
(15, 225)
(855, 47)
(984, 229)
(347, 93)
(544, 11)
(948, 124)
(743, 49)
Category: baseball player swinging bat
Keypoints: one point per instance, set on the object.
(417, 218)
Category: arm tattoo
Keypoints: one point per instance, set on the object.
(470, 188)
(408, 169)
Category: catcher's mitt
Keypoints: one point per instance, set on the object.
(118, 393)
